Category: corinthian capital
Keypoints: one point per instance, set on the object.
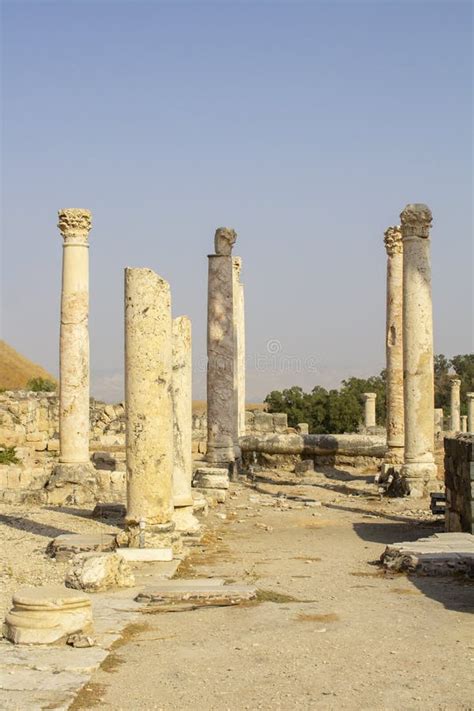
(393, 240)
(416, 220)
(74, 225)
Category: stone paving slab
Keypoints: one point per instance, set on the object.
(197, 589)
(440, 554)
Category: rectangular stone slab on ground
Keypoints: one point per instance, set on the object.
(146, 554)
(189, 590)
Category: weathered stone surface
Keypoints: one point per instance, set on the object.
(146, 554)
(419, 467)
(455, 405)
(470, 412)
(311, 445)
(440, 554)
(72, 484)
(182, 412)
(67, 545)
(195, 590)
(149, 406)
(459, 482)
(369, 409)
(239, 350)
(46, 615)
(95, 572)
(306, 466)
(212, 477)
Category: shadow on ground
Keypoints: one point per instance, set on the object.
(26, 524)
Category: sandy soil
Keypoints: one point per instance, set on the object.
(330, 631)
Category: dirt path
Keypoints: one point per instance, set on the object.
(332, 632)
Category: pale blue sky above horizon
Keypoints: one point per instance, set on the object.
(306, 126)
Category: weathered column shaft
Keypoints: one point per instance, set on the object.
(455, 405)
(149, 405)
(463, 423)
(221, 394)
(419, 464)
(394, 346)
(74, 225)
(470, 412)
(369, 409)
(182, 410)
(239, 368)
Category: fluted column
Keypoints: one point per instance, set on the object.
(74, 225)
(394, 347)
(239, 353)
(182, 426)
(149, 408)
(470, 412)
(221, 395)
(369, 409)
(419, 467)
(455, 405)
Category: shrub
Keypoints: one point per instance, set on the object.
(41, 385)
(8, 455)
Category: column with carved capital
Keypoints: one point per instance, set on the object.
(239, 352)
(455, 405)
(419, 467)
(369, 409)
(394, 350)
(74, 225)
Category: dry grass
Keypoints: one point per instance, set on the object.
(16, 370)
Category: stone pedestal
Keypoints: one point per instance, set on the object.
(394, 352)
(239, 352)
(369, 409)
(470, 412)
(183, 516)
(455, 405)
(149, 410)
(47, 615)
(222, 450)
(419, 467)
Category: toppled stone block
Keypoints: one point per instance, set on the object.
(302, 428)
(306, 466)
(95, 572)
(441, 554)
(68, 544)
(211, 478)
(46, 615)
(197, 590)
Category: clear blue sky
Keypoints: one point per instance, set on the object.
(306, 126)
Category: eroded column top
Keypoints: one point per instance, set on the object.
(75, 224)
(393, 240)
(224, 240)
(470, 396)
(455, 383)
(369, 396)
(416, 220)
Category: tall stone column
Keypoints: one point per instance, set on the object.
(149, 410)
(419, 467)
(239, 353)
(455, 405)
(74, 225)
(394, 349)
(221, 393)
(369, 409)
(470, 412)
(182, 427)
(463, 423)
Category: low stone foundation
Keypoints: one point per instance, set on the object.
(459, 482)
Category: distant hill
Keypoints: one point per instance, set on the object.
(16, 370)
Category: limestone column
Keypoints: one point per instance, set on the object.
(369, 409)
(239, 353)
(470, 412)
(221, 395)
(438, 420)
(463, 423)
(149, 408)
(182, 426)
(74, 225)
(455, 405)
(419, 467)
(394, 348)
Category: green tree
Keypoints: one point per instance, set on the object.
(41, 385)
(463, 366)
(441, 381)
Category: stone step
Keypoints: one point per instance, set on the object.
(208, 590)
(66, 545)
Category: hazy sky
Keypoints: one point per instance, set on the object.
(306, 126)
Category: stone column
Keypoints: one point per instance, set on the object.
(369, 409)
(438, 420)
(463, 423)
(419, 467)
(470, 412)
(239, 353)
(149, 410)
(221, 393)
(182, 427)
(74, 225)
(394, 349)
(455, 405)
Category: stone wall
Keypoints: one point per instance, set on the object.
(459, 482)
